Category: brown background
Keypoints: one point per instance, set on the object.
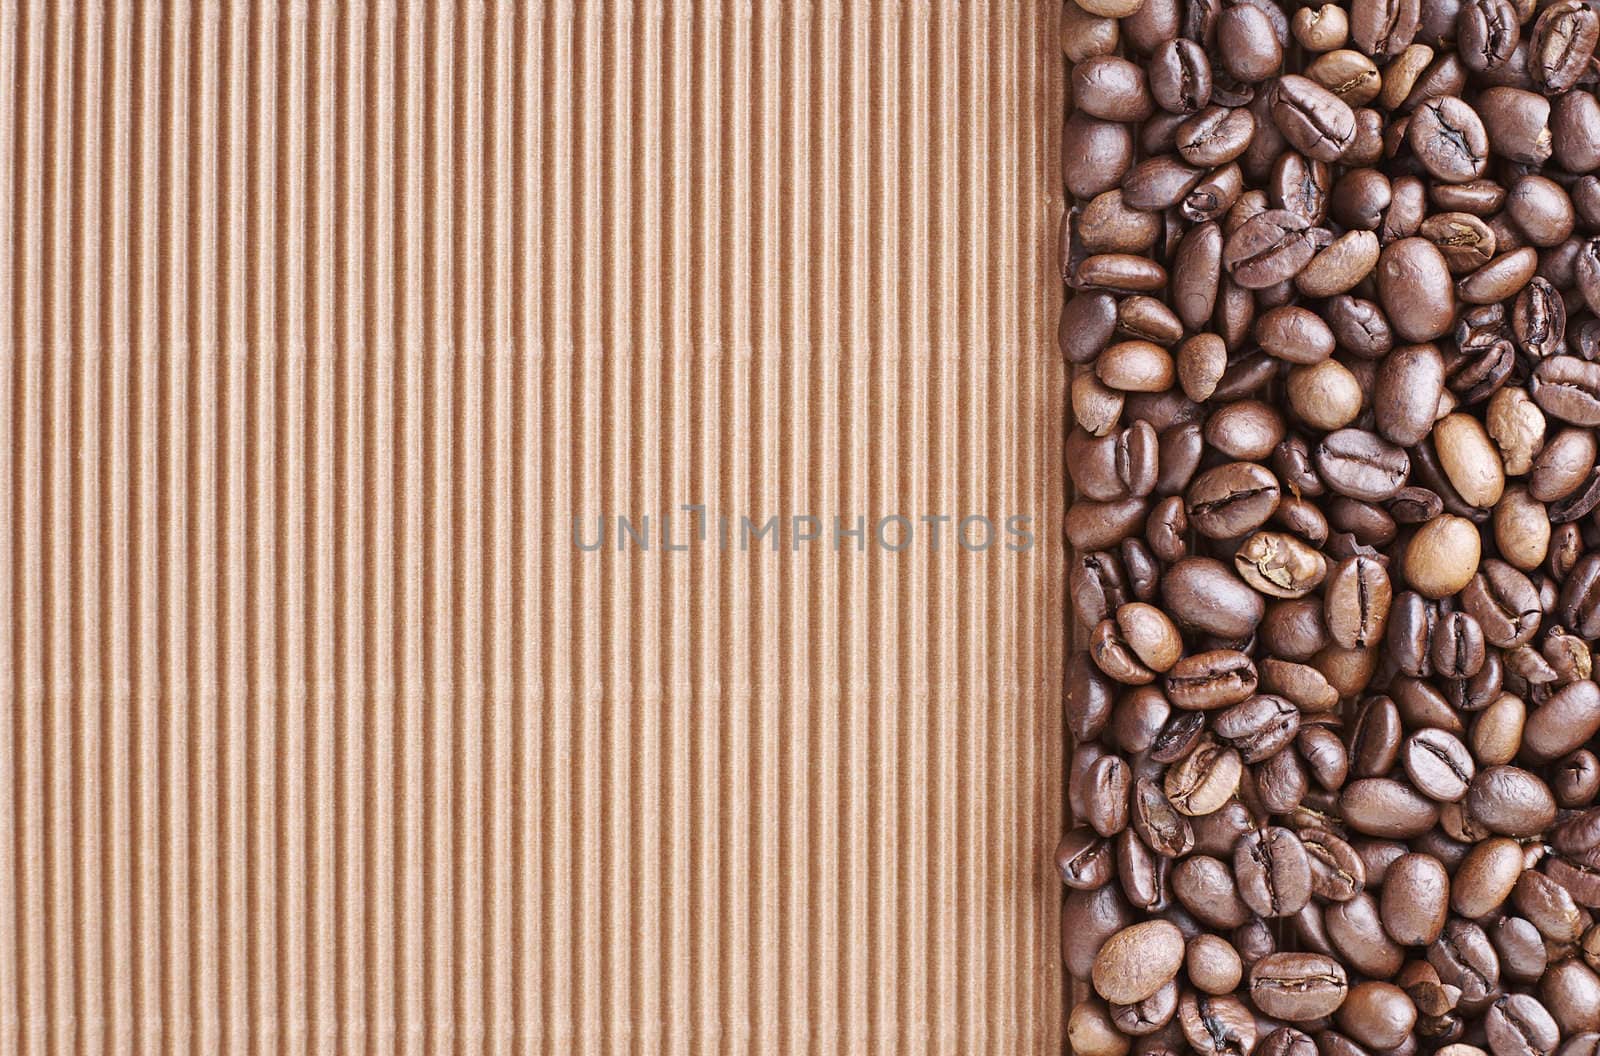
(323, 319)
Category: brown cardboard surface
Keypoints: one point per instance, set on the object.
(323, 321)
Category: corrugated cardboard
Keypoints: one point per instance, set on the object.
(319, 735)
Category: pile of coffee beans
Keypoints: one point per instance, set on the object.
(1334, 279)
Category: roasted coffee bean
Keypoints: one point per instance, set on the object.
(1383, 28)
(1511, 802)
(1375, 738)
(1438, 765)
(1415, 900)
(1521, 949)
(1206, 596)
(1465, 959)
(1269, 248)
(1096, 154)
(1465, 242)
(1204, 779)
(1138, 961)
(1088, 919)
(1273, 872)
(1487, 33)
(1448, 138)
(1486, 877)
(1563, 723)
(1381, 806)
(1232, 499)
(1377, 1014)
(1298, 987)
(1561, 46)
(1258, 727)
(1518, 1024)
(1212, 964)
(1084, 860)
(1415, 289)
(1316, 122)
(1111, 88)
(1568, 388)
(1518, 124)
(1361, 465)
(1217, 1026)
(1205, 887)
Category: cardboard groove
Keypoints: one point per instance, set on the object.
(322, 322)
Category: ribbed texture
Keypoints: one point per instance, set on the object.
(318, 734)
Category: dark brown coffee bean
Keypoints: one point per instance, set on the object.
(1377, 1014)
(1273, 872)
(1162, 828)
(1205, 887)
(1205, 596)
(1539, 319)
(1561, 46)
(1511, 802)
(1360, 465)
(1159, 183)
(1356, 932)
(1381, 806)
(1246, 430)
(1409, 383)
(1217, 1026)
(1359, 326)
(1316, 122)
(1576, 781)
(1487, 32)
(1549, 906)
(1111, 88)
(1096, 155)
(1457, 647)
(1120, 273)
(1570, 991)
(1415, 289)
(1146, 1017)
(1232, 499)
(1298, 986)
(1466, 960)
(1466, 242)
(1575, 131)
(1107, 224)
(1449, 140)
(1196, 269)
(1246, 45)
(1269, 248)
(1383, 28)
(1518, 1025)
(1259, 727)
(1337, 872)
(1485, 878)
(1204, 779)
(1087, 323)
(1106, 789)
(1180, 76)
(1438, 765)
(1090, 697)
(1301, 186)
(1416, 899)
(1517, 123)
(1568, 388)
(1084, 860)
(1375, 738)
(1138, 961)
(1356, 602)
(1564, 723)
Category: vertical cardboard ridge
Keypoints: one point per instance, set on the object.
(324, 322)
